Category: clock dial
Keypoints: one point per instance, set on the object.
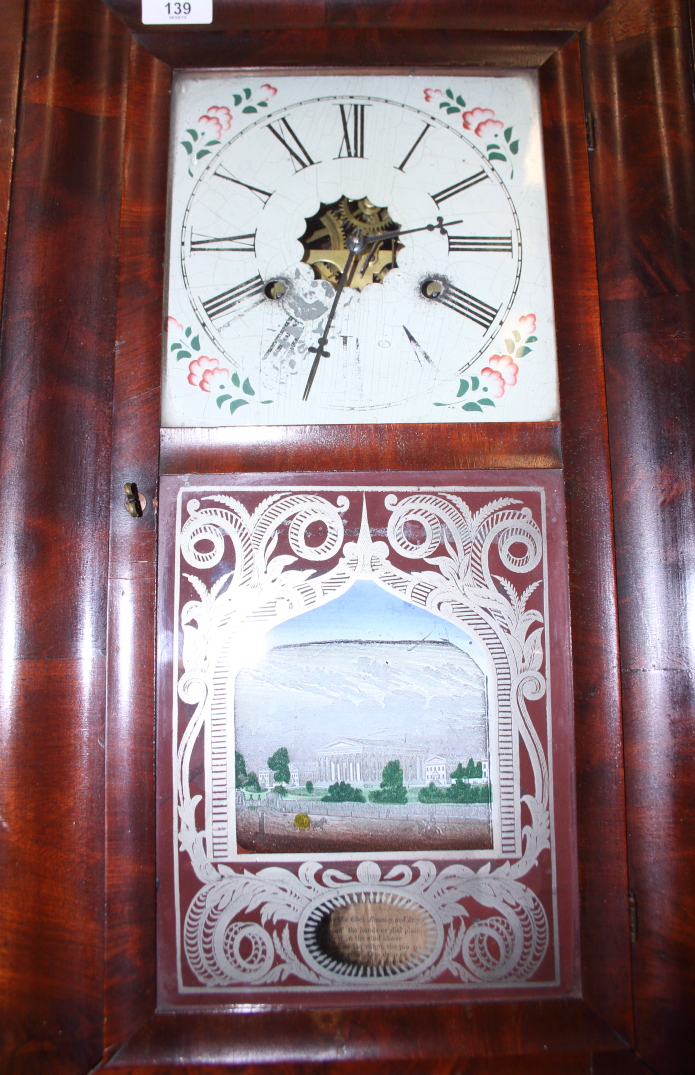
(348, 257)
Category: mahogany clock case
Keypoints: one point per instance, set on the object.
(84, 268)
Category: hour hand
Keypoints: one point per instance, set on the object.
(356, 244)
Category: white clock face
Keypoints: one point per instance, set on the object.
(350, 256)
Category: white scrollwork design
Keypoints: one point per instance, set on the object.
(508, 946)
(224, 942)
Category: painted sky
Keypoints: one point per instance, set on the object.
(364, 665)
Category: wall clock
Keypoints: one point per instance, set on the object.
(358, 248)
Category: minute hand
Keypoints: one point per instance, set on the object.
(323, 340)
(440, 226)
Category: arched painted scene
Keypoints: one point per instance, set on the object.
(364, 727)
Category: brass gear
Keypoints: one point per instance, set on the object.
(325, 241)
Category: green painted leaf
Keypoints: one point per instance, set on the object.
(266, 401)
(449, 111)
(187, 146)
(195, 343)
(439, 404)
(443, 104)
(463, 387)
(509, 344)
(249, 108)
(213, 142)
(531, 339)
(507, 134)
(237, 98)
(247, 93)
(492, 145)
(450, 94)
(460, 101)
(516, 334)
(188, 332)
(193, 133)
(222, 399)
(472, 407)
(235, 380)
(246, 387)
(175, 346)
(514, 146)
(485, 402)
(496, 157)
(202, 153)
(182, 354)
(475, 383)
(262, 104)
(234, 406)
(521, 351)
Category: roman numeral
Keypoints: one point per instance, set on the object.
(237, 244)
(467, 305)
(352, 143)
(400, 167)
(457, 188)
(263, 195)
(300, 157)
(501, 244)
(236, 296)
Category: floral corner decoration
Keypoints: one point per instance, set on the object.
(481, 121)
(217, 120)
(207, 374)
(500, 373)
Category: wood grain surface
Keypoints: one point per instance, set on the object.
(238, 15)
(638, 69)
(350, 47)
(130, 872)
(55, 406)
(10, 59)
(446, 446)
(600, 788)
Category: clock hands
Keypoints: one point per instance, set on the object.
(377, 240)
(440, 226)
(356, 244)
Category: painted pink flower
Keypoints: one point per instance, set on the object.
(270, 91)
(527, 323)
(431, 94)
(210, 125)
(209, 378)
(476, 116)
(203, 371)
(506, 365)
(173, 325)
(222, 114)
(488, 128)
(493, 381)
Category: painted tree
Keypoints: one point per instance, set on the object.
(279, 765)
(252, 783)
(341, 792)
(309, 786)
(241, 774)
(392, 790)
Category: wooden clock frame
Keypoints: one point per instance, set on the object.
(84, 269)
